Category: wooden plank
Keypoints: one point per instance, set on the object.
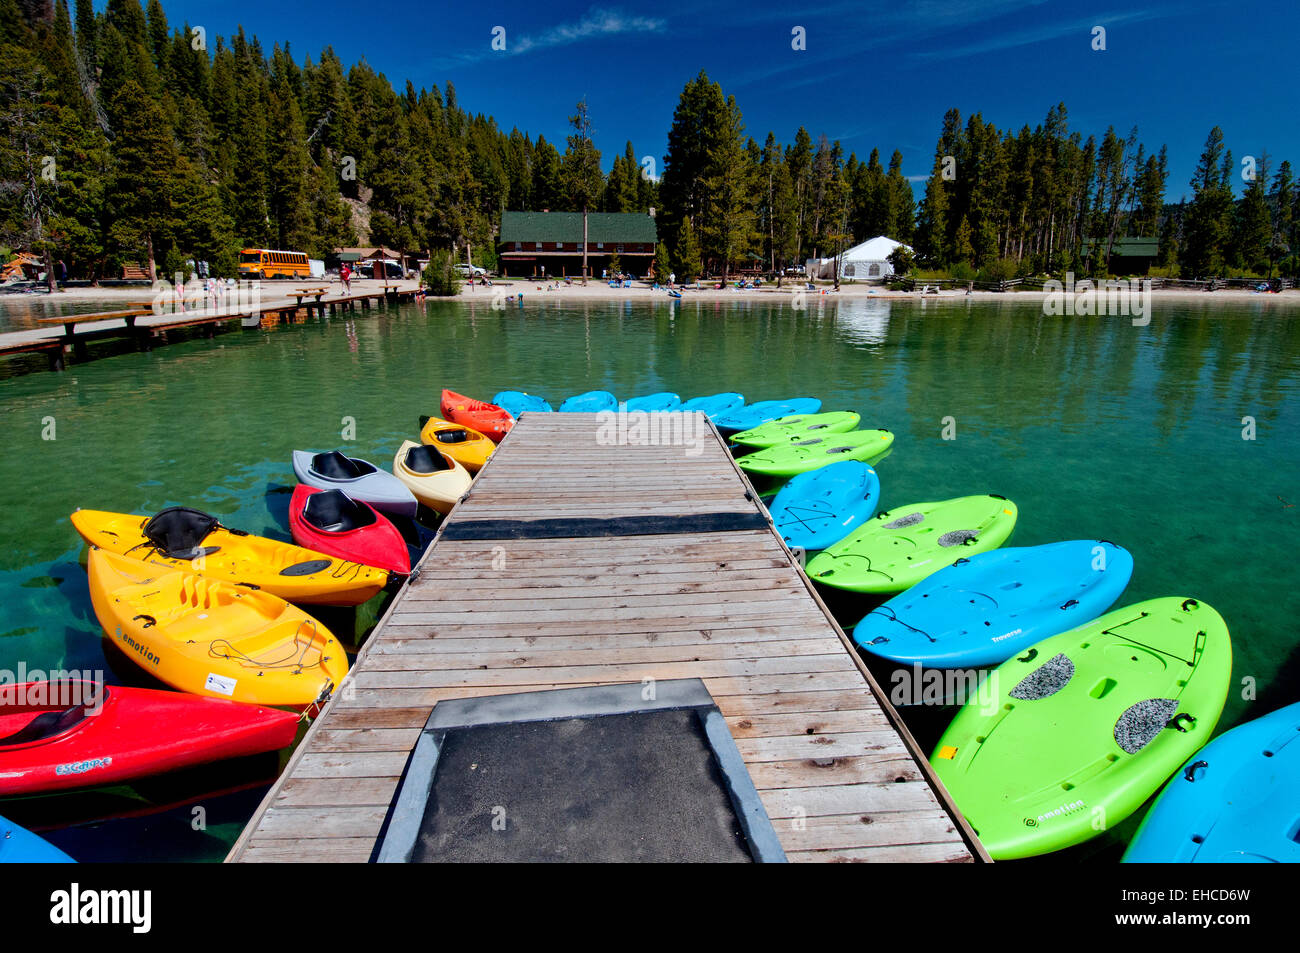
(539, 657)
(281, 823)
(696, 638)
(897, 767)
(349, 850)
(952, 852)
(428, 625)
(829, 800)
(869, 830)
(566, 674)
(344, 792)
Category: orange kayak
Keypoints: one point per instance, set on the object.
(488, 419)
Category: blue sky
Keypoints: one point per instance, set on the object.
(874, 74)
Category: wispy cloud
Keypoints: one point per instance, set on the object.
(596, 23)
(908, 23)
(1006, 40)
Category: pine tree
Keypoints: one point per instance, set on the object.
(686, 253)
(583, 179)
(1283, 244)
(1252, 231)
(27, 180)
(143, 179)
(1207, 225)
(727, 228)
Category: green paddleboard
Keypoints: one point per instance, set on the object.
(798, 427)
(810, 453)
(902, 546)
(1070, 738)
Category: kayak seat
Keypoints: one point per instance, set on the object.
(177, 531)
(1139, 725)
(911, 519)
(452, 436)
(45, 725)
(958, 537)
(425, 459)
(335, 466)
(333, 511)
(1046, 680)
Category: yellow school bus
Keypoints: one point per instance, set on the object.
(269, 263)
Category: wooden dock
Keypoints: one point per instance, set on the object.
(513, 597)
(149, 326)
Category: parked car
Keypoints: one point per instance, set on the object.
(466, 270)
(377, 269)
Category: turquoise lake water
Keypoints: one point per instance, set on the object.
(1094, 427)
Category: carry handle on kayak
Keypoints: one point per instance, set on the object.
(1190, 772)
(149, 624)
(1176, 721)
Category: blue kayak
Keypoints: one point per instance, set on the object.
(985, 609)
(821, 507)
(1234, 801)
(515, 402)
(651, 403)
(590, 402)
(715, 404)
(20, 846)
(752, 415)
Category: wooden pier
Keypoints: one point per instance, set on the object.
(672, 571)
(148, 326)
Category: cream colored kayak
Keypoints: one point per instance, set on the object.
(436, 479)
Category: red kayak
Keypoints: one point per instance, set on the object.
(488, 419)
(55, 736)
(331, 522)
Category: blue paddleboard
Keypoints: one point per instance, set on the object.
(1233, 802)
(821, 507)
(752, 415)
(985, 609)
(590, 402)
(515, 402)
(651, 403)
(715, 404)
(21, 846)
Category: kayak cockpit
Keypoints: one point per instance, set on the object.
(333, 511)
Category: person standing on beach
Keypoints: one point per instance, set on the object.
(345, 275)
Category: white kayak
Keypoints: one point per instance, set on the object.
(357, 478)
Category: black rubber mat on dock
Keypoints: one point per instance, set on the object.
(625, 788)
(600, 774)
(625, 526)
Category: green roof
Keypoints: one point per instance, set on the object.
(567, 227)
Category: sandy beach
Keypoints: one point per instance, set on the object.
(597, 290)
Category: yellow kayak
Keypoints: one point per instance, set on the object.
(466, 446)
(436, 478)
(282, 569)
(213, 638)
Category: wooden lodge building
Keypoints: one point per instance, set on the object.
(534, 244)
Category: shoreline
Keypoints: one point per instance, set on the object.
(600, 291)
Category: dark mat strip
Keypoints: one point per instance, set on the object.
(590, 527)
